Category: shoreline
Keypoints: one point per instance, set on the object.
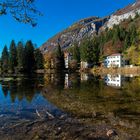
(134, 71)
(66, 128)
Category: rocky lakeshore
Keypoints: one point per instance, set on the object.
(65, 128)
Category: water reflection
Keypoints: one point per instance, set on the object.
(97, 99)
(61, 81)
(113, 80)
(68, 83)
(23, 100)
(19, 90)
(84, 76)
(94, 99)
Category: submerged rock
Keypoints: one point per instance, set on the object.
(111, 133)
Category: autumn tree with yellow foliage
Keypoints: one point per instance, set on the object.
(133, 55)
(49, 59)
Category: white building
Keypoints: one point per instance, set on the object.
(67, 58)
(114, 60)
(84, 65)
(114, 81)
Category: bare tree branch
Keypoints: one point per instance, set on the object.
(21, 10)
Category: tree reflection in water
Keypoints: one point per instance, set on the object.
(25, 88)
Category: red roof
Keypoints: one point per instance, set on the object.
(116, 54)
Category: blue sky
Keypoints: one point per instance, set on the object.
(58, 15)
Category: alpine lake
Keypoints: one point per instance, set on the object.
(70, 106)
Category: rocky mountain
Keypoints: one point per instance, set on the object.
(89, 27)
(125, 13)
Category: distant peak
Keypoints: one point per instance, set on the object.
(137, 1)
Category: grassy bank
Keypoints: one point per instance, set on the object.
(135, 70)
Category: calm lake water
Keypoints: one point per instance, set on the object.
(112, 100)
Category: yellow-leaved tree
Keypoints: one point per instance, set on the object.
(133, 55)
(49, 60)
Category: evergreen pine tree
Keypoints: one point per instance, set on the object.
(39, 60)
(86, 51)
(137, 15)
(60, 63)
(5, 59)
(83, 50)
(76, 53)
(126, 42)
(75, 62)
(20, 57)
(133, 34)
(29, 57)
(122, 33)
(96, 51)
(12, 56)
(116, 33)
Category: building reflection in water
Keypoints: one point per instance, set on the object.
(71, 80)
(114, 80)
(52, 78)
(84, 76)
(68, 82)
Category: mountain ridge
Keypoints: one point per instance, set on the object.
(89, 27)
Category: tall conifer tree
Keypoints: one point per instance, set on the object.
(20, 57)
(39, 60)
(5, 59)
(12, 56)
(29, 57)
(60, 63)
